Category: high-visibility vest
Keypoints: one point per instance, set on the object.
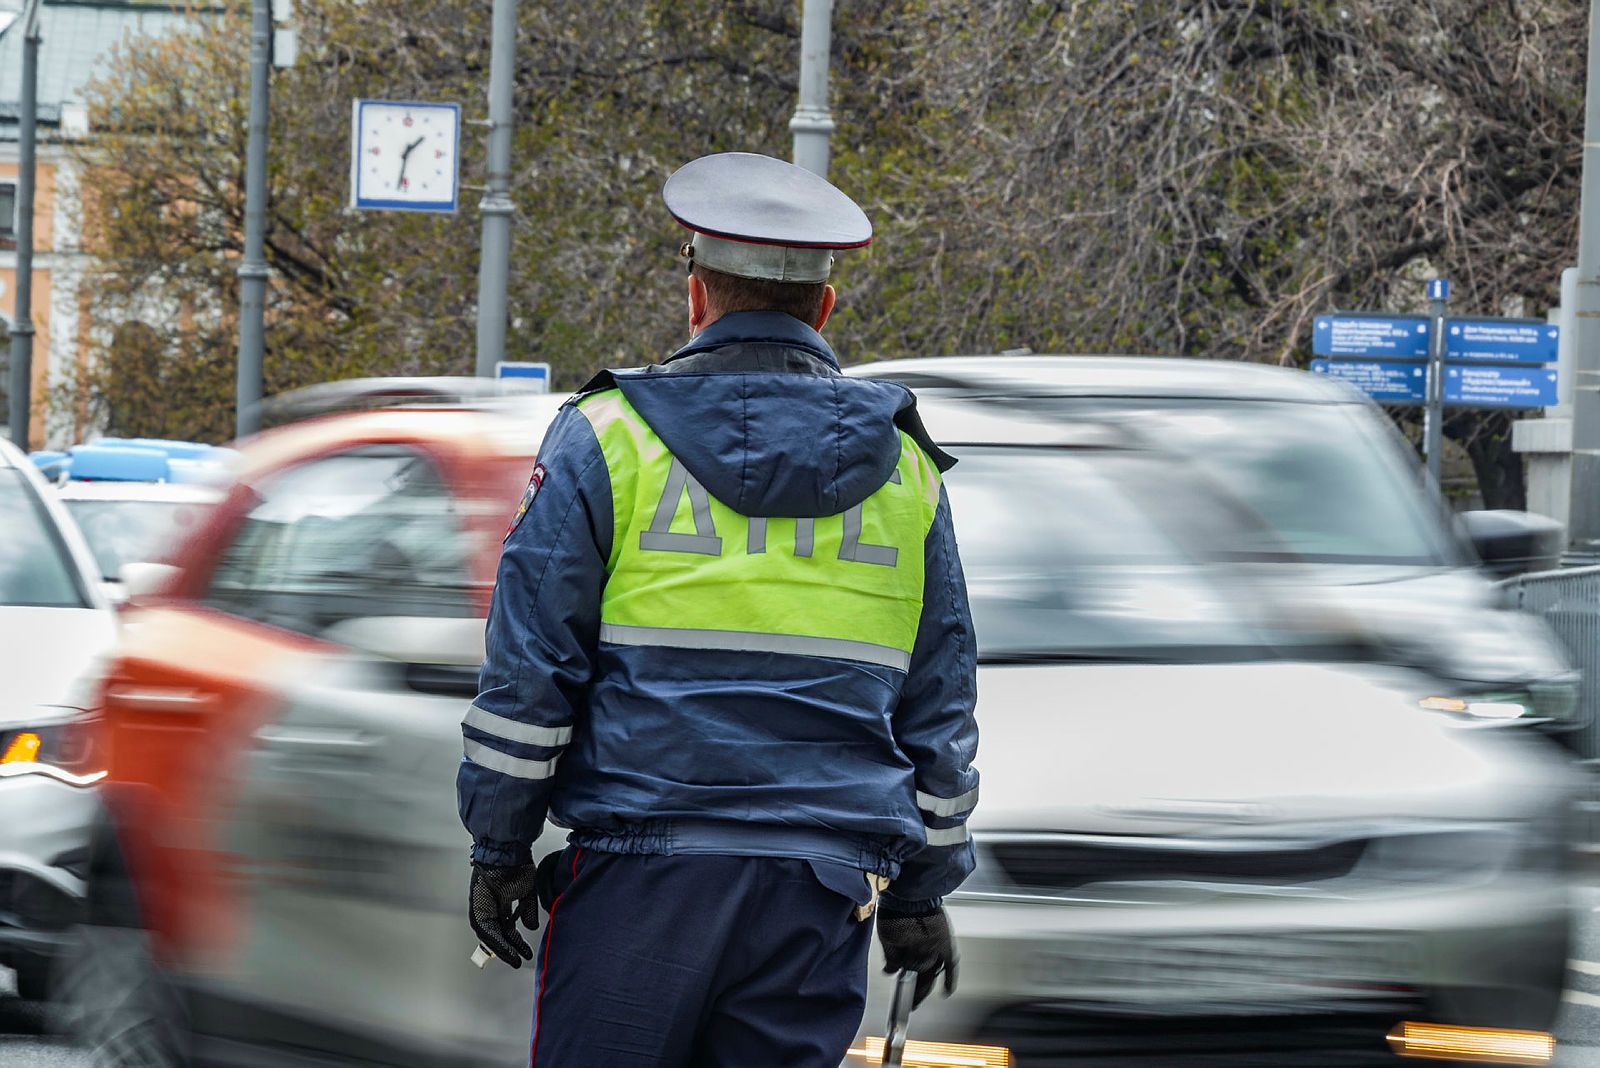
(686, 571)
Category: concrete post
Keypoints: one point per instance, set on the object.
(253, 269)
(22, 325)
(812, 124)
(494, 261)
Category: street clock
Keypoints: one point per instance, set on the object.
(404, 156)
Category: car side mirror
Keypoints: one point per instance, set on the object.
(1511, 543)
(141, 579)
(115, 593)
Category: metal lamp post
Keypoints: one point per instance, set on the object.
(813, 123)
(22, 327)
(495, 208)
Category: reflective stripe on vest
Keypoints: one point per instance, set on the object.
(688, 572)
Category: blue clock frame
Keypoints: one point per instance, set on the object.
(446, 206)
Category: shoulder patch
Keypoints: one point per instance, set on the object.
(534, 482)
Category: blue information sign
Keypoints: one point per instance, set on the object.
(1501, 340)
(1393, 383)
(1438, 289)
(1500, 387)
(1395, 336)
(535, 375)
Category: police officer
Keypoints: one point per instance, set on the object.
(730, 651)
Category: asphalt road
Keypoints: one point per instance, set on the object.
(25, 1042)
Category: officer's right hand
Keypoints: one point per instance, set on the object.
(499, 897)
(921, 943)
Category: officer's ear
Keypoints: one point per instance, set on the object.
(699, 305)
(828, 298)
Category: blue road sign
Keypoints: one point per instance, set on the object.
(1395, 336)
(1391, 383)
(535, 376)
(1501, 340)
(1500, 387)
(1438, 289)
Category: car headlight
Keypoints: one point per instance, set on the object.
(1555, 700)
(61, 749)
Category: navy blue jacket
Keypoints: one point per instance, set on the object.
(644, 749)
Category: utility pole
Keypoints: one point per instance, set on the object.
(812, 122)
(1433, 417)
(494, 261)
(22, 327)
(1583, 531)
(253, 270)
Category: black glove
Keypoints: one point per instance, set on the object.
(921, 943)
(499, 897)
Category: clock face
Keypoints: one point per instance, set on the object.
(404, 155)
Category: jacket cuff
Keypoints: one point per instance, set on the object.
(899, 906)
(501, 854)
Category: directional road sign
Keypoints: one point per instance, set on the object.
(1500, 387)
(1382, 380)
(1501, 340)
(1394, 336)
(536, 376)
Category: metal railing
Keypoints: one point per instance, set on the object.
(1569, 601)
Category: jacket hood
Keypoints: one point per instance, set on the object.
(757, 411)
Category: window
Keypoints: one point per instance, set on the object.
(8, 213)
(34, 567)
(371, 532)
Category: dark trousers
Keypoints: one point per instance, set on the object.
(658, 962)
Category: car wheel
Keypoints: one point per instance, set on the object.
(117, 1002)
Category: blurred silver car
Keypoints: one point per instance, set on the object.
(1207, 834)
(1324, 468)
(55, 626)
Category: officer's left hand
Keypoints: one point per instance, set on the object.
(499, 897)
(921, 943)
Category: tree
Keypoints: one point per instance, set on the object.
(1196, 178)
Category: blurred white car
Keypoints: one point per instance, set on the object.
(1206, 835)
(55, 627)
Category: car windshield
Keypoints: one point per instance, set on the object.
(1325, 477)
(1103, 554)
(121, 532)
(35, 569)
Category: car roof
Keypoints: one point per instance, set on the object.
(1111, 376)
(176, 492)
(513, 431)
(954, 421)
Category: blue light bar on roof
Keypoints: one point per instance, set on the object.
(183, 450)
(117, 463)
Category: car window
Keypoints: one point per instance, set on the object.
(371, 532)
(35, 569)
(1326, 478)
(121, 532)
(1097, 553)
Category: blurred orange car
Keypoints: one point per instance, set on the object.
(280, 864)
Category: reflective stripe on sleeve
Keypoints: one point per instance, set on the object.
(513, 731)
(756, 642)
(947, 836)
(506, 764)
(934, 805)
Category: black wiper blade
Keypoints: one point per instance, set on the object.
(1064, 656)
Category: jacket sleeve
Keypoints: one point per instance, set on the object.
(539, 648)
(935, 726)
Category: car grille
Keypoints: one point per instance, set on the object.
(1069, 864)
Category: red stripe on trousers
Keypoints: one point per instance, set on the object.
(544, 970)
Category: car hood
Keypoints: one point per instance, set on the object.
(1225, 748)
(46, 652)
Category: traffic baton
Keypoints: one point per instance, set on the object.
(894, 1046)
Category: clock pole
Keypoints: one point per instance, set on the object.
(253, 269)
(22, 325)
(495, 207)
